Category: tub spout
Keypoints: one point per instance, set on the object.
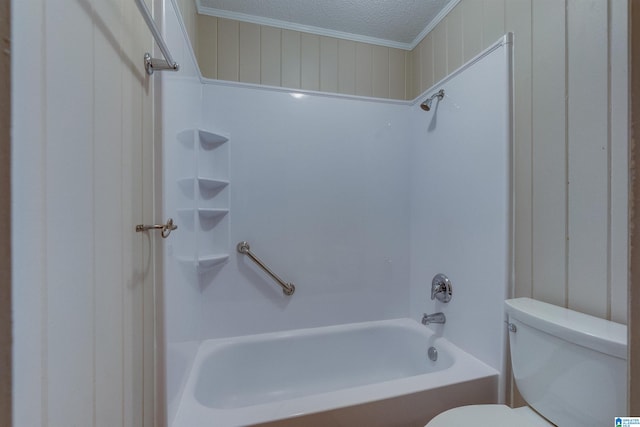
(433, 318)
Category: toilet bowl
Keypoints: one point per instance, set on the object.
(570, 368)
(489, 415)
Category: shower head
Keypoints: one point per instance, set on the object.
(426, 105)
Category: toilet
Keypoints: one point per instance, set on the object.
(570, 368)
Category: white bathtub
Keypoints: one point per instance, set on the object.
(373, 374)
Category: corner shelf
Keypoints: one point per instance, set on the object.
(204, 263)
(203, 186)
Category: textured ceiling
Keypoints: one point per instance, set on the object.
(393, 21)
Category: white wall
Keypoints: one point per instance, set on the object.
(81, 180)
(319, 190)
(461, 204)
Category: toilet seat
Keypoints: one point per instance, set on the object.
(489, 416)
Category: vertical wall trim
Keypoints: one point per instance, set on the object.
(45, 214)
(5, 214)
(94, 402)
(609, 146)
(620, 90)
(533, 138)
(531, 149)
(634, 218)
(567, 125)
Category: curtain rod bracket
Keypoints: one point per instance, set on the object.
(152, 64)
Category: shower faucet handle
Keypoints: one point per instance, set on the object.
(441, 288)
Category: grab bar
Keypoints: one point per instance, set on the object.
(287, 288)
(152, 64)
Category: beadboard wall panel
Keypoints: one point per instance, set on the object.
(619, 156)
(549, 152)
(588, 287)
(207, 51)
(290, 58)
(5, 214)
(270, 54)
(328, 64)
(84, 120)
(518, 21)
(308, 61)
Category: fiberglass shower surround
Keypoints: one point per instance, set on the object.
(358, 201)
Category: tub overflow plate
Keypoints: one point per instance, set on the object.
(433, 354)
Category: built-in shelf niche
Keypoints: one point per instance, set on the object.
(204, 186)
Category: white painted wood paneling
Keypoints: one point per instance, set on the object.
(188, 12)
(588, 142)
(492, 21)
(439, 52)
(397, 74)
(136, 127)
(426, 61)
(410, 72)
(207, 49)
(380, 69)
(619, 164)
(88, 99)
(346, 67)
(518, 18)
(364, 70)
(328, 64)
(270, 54)
(249, 53)
(290, 59)
(549, 205)
(454, 39)
(69, 205)
(472, 10)
(228, 49)
(28, 187)
(310, 62)
(417, 57)
(108, 211)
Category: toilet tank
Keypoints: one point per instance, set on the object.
(570, 367)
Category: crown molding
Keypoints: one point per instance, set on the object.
(434, 22)
(243, 17)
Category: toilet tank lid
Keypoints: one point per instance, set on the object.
(579, 328)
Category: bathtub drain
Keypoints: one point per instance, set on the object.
(432, 353)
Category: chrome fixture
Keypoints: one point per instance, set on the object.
(511, 327)
(152, 64)
(433, 318)
(432, 353)
(287, 288)
(426, 105)
(441, 288)
(166, 228)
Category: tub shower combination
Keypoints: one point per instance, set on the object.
(332, 371)
(358, 201)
